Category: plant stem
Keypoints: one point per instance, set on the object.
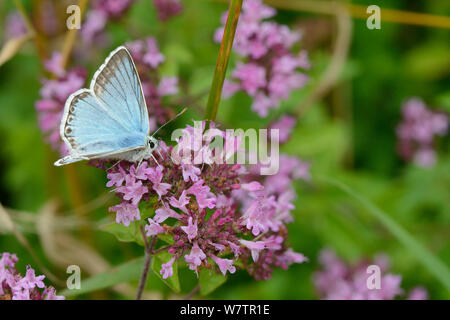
(222, 60)
(144, 275)
(148, 259)
(192, 293)
(31, 30)
(71, 35)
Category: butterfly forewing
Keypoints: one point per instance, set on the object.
(117, 86)
(111, 117)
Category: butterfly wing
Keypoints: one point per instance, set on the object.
(117, 85)
(109, 119)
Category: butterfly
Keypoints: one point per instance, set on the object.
(110, 119)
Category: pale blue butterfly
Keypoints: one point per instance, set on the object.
(109, 120)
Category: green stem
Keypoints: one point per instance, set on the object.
(222, 60)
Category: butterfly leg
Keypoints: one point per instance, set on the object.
(157, 150)
(115, 164)
(155, 160)
(168, 154)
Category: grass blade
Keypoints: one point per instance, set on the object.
(434, 265)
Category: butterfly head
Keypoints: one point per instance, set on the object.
(152, 143)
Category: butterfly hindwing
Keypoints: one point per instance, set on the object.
(90, 131)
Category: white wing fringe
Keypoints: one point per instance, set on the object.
(67, 160)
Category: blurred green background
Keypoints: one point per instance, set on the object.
(349, 135)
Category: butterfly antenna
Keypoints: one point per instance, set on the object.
(179, 114)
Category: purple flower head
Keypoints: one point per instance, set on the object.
(126, 213)
(252, 77)
(252, 186)
(289, 257)
(92, 31)
(153, 228)
(50, 294)
(167, 269)
(54, 93)
(191, 229)
(205, 198)
(15, 287)
(195, 257)
(417, 132)
(181, 202)
(30, 280)
(133, 190)
(113, 9)
(168, 86)
(255, 247)
(284, 125)
(167, 9)
(152, 57)
(190, 172)
(271, 70)
(148, 58)
(418, 293)
(339, 281)
(257, 11)
(8, 260)
(213, 210)
(93, 27)
(141, 172)
(14, 26)
(155, 176)
(54, 64)
(164, 213)
(224, 265)
(116, 178)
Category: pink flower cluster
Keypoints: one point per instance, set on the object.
(15, 287)
(269, 71)
(167, 9)
(284, 125)
(417, 131)
(102, 11)
(54, 93)
(340, 281)
(148, 58)
(214, 212)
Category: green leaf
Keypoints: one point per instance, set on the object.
(126, 272)
(132, 233)
(168, 238)
(122, 233)
(147, 210)
(434, 265)
(209, 281)
(159, 259)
